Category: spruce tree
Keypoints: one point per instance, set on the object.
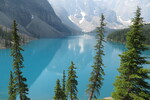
(64, 86)
(64, 81)
(132, 82)
(58, 91)
(11, 88)
(19, 79)
(97, 72)
(72, 82)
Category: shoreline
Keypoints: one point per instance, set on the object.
(111, 40)
(22, 44)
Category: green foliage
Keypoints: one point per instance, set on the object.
(64, 81)
(97, 73)
(120, 35)
(72, 82)
(6, 36)
(59, 94)
(64, 86)
(132, 83)
(20, 86)
(11, 88)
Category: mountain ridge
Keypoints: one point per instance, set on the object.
(85, 13)
(25, 12)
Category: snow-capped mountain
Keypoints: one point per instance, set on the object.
(126, 8)
(85, 13)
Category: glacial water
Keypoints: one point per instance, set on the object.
(45, 60)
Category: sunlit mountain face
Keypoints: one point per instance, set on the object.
(85, 13)
(126, 8)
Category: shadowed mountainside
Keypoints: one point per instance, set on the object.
(35, 18)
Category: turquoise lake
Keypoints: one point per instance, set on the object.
(45, 60)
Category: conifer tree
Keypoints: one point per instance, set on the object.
(58, 91)
(19, 79)
(64, 86)
(11, 88)
(72, 82)
(132, 82)
(7, 38)
(97, 72)
(64, 81)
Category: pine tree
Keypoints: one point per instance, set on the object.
(64, 86)
(11, 88)
(97, 73)
(21, 87)
(64, 81)
(6, 38)
(132, 83)
(58, 91)
(72, 82)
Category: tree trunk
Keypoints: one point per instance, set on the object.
(21, 97)
(71, 96)
(91, 95)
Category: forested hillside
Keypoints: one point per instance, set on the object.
(119, 35)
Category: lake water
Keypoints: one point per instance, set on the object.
(45, 60)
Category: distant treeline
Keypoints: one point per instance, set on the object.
(120, 35)
(5, 37)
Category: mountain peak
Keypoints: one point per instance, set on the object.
(85, 13)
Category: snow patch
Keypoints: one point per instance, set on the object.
(83, 17)
(123, 21)
(32, 16)
(70, 18)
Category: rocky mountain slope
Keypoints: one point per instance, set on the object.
(85, 13)
(63, 15)
(35, 18)
(126, 8)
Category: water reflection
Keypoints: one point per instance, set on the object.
(46, 59)
(36, 56)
